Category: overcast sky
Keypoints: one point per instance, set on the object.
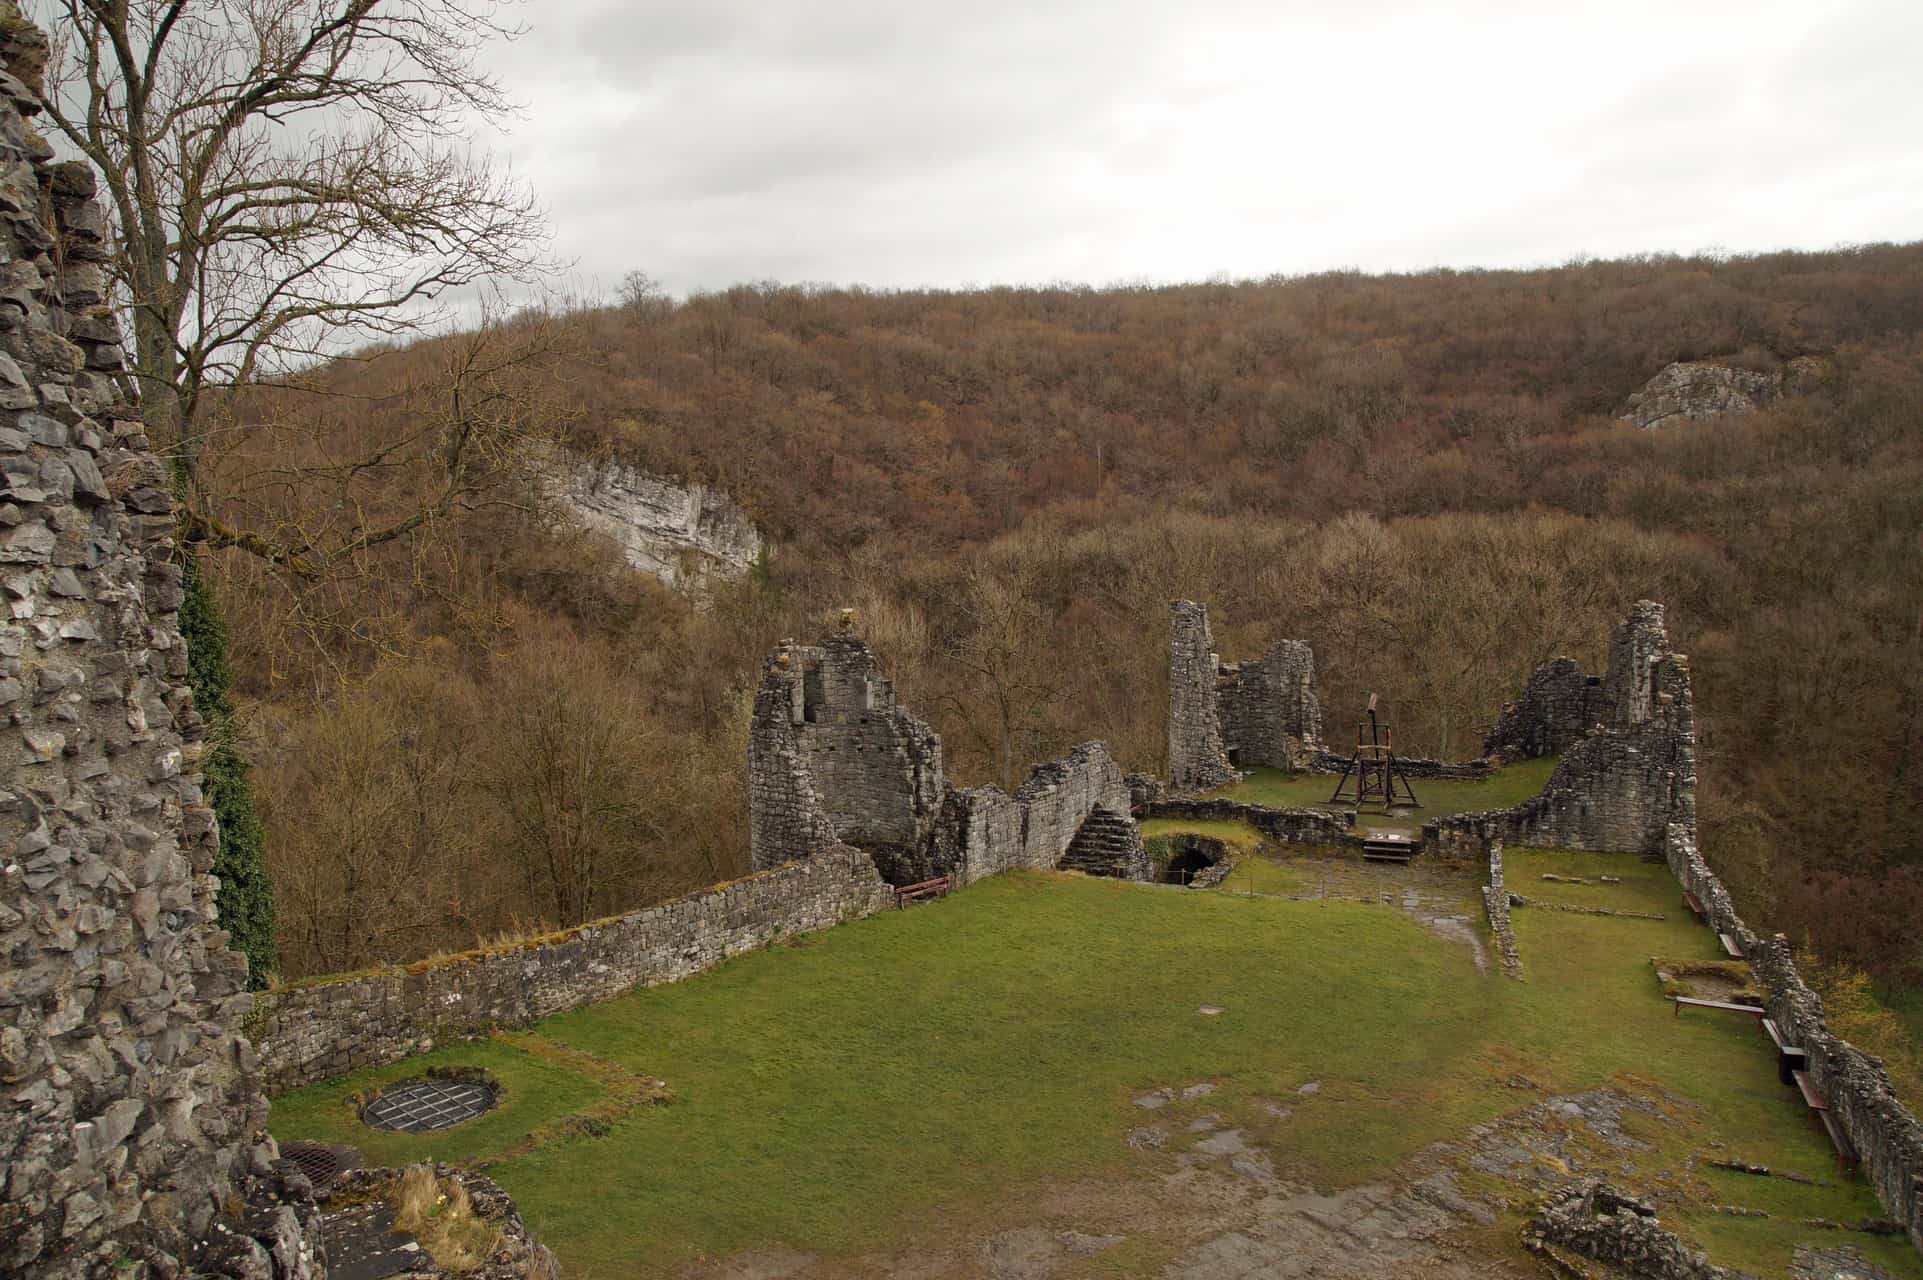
(905, 143)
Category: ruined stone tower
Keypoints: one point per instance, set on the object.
(1225, 716)
(131, 1134)
(833, 760)
(1196, 759)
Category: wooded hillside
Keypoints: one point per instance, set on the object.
(495, 726)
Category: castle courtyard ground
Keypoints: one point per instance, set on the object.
(1052, 1075)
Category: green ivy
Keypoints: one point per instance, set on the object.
(246, 899)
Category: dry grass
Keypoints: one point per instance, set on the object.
(438, 1213)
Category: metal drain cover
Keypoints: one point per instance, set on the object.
(320, 1162)
(416, 1106)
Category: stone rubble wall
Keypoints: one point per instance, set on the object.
(1268, 710)
(1598, 1221)
(984, 831)
(849, 765)
(1886, 1134)
(132, 1128)
(1326, 761)
(1289, 825)
(1196, 758)
(1495, 901)
(309, 1033)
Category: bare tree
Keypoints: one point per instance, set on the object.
(284, 179)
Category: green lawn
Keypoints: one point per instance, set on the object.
(922, 1071)
(1509, 785)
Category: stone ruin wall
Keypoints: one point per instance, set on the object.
(1228, 715)
(1268, 708)
(1072, 812)
(133, 1127)
(1886, 1134)
(832, 757)
(1559, 707)
(832, 760)
(1196, 759)
(1630, 786)
(1620, 787)
(317, 1031)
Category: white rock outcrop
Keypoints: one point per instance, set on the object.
(1696, 389)
(679, 533)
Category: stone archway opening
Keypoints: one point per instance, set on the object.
(1188, 856)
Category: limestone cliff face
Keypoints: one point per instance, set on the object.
(680, 533)
(1696, 389)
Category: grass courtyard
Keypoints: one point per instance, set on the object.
(931, 1071)
(1511, 784)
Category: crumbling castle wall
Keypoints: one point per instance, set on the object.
(132, 1115)
(1620, 787)
(1268, 708)
(833, 759)
(1197, 760)
(1558, 708)
(320, 1030)
(1885, 1133)
(984, 831)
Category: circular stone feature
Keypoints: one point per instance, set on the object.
(416, 1106)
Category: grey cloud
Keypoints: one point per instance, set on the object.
(906, 143)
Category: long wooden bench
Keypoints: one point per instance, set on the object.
(1730, 946)
(936, 888)
(1755, 1011)
(1695, 904)
(1819, 1106)
(1789, 1058)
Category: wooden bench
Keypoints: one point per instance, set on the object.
(1846, 1156)
(1789, 1058)
(1695, 904)
(1820, 1107)
(936, 888)
(1812, 1096)
(1730, 946)
(1754, 1011)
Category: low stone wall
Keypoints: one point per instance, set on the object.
(1885, 1132)
(1296, 826)
(1495, 900)
(1413, 766)
(309, 1033)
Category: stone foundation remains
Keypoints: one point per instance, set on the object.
(1597, 1221)
(133, 1133)
(833, 758)
(1495, 901)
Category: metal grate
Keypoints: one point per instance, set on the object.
(320, 1162)
(416, 1106)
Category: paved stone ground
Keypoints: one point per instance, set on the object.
(1216, 1208)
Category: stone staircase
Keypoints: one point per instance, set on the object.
(1107, 845)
